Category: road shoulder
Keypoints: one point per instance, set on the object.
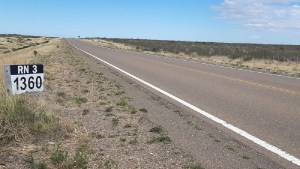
(207, 144)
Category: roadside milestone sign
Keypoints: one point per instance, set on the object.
(24, 78)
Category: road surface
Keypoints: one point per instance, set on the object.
(264, 106)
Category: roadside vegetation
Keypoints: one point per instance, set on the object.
(21, 116)
(208, 49)
(282, 59)
(82, 120)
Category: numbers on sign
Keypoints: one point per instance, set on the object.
(32, 82)
(16, 81)
(34, 69)
(23, 86)
(39, 82)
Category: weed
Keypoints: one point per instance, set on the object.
(133, 111)
(80, 100)
(42, 165)
(143, 110)
(127, 126)
(123, 139)
(156, 129)
(85, 111)
(115, 121)
(58, 157)
(118, 92)
(61, 94)
(109, 114)
(122, 102)
(35, 53)
(133, 142)
(246, 157)
(80, 160)
(85, 91)
(229, 148)
(97, 135)
(45, 149)
(109, 109)
(162, 139)
(110, 164)
(217, 141)
(29, 159)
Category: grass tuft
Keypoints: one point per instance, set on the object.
(109, 109)
(19, 117)
(122, 102)
(156, 129)
(143, 110)
(80, 100)
(160, 139)
(115, 121)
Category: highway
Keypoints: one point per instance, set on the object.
(259, 109)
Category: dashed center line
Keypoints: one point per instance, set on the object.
(238, 80)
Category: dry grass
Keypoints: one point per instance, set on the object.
(21, 115)
(108, 44)
(12, 44)
(273, 66)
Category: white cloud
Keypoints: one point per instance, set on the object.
(271, 15)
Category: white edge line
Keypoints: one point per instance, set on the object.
(241, 132)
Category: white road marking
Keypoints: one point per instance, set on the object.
(241, 132)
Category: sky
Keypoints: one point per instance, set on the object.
(232, 21)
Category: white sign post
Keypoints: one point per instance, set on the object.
(24, 78)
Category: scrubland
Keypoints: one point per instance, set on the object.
(278, 59)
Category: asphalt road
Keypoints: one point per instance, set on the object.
(266, 106)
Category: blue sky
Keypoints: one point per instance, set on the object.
(250, 21)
